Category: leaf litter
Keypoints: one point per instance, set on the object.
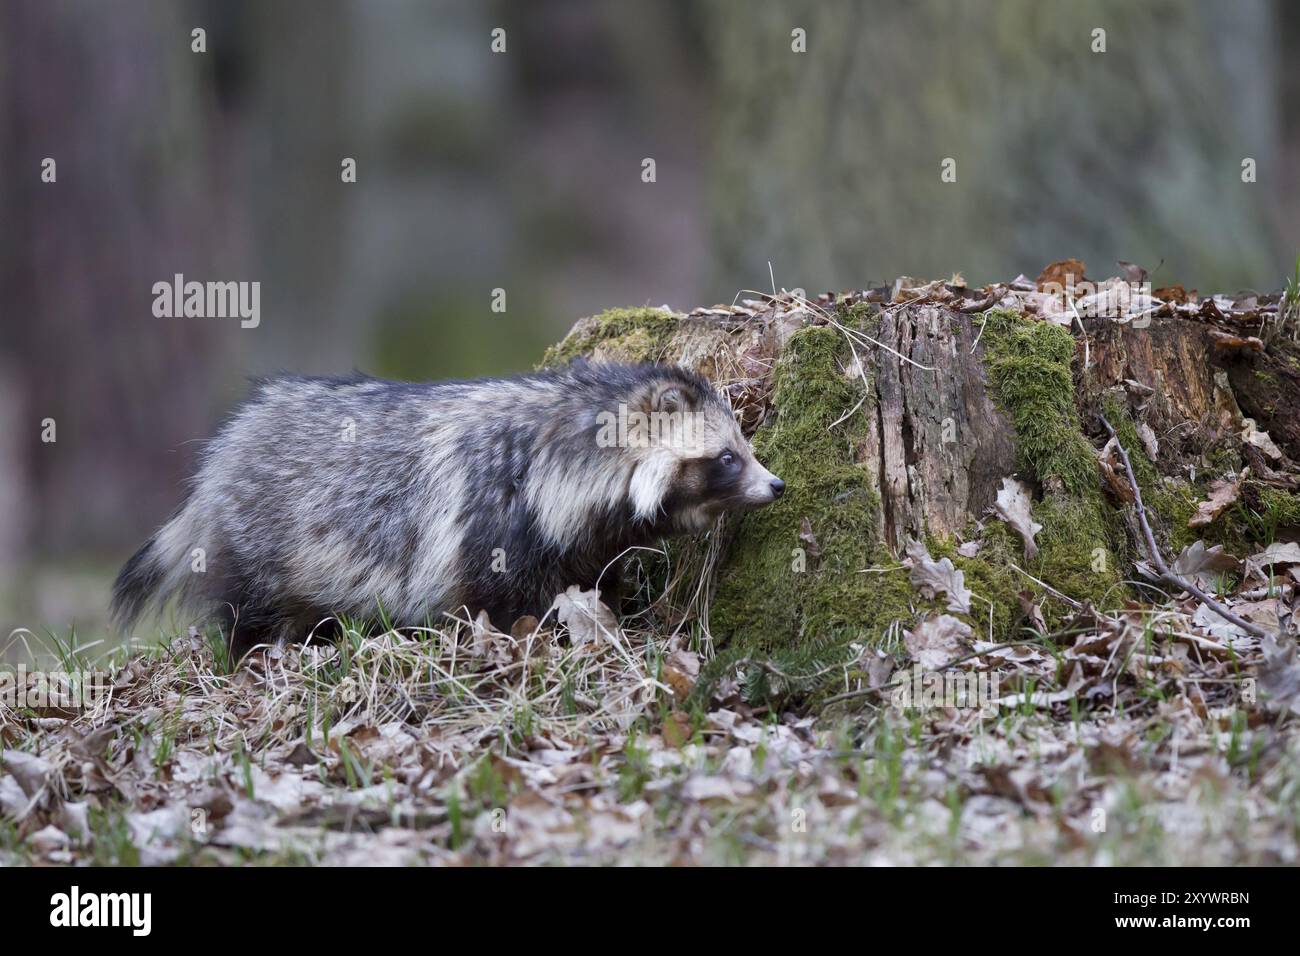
(1142, 735)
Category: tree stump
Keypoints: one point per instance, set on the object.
(898, 415)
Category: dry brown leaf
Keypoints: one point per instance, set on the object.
(1032, 611)
(1251, 435)
(1149, 440)
(524, 627)
(1204, 566)
(1279, 553)
(933, 577)
(676, 729)
(806, 535)
(1225, 342)
(30, 771)
(1013, 507)
(1064, 273)
(1113, 472)
(1176, 294)
(1131, 271)
(680, 671)
(587, 619)
(1220, 628)
(1223, 494)
(1279, 676)
(937, 641)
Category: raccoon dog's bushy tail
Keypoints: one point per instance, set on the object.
(155, 572)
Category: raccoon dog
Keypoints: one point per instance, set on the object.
(356, 496)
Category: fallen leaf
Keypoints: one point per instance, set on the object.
(806, 535)
(76, 820)
(524, 627)
(1279, 675)
(584, 615)
(1223, 494)
(487, 642)
(1176, 294)
(703, 788)
(1013, 507)
(1225, 342)
(13, 802)
(676, 729)
(1065, 273)
(1204, 566)
(1113, 472)
(936, 641)
(1032, 611)
(1149, 440)
(1251, 435)
(48, 840)
(1131, 272)
(933, 577)
(1219, 627)
(1280, 552)
(680, 671)
(29, 770)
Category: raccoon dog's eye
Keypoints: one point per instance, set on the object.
(727, 458)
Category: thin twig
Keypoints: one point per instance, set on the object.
(1060, 596)
(892, 685)
(1167, 575)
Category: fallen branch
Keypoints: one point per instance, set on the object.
(1166, 575)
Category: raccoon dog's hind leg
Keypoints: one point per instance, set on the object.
(251, 623)
(249, 617)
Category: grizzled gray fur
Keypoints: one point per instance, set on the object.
(322, 497)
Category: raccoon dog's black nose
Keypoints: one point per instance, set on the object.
(778, 487)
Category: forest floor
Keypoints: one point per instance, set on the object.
(1148, 735)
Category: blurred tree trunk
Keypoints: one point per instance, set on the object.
(828, 163)
(113, 94)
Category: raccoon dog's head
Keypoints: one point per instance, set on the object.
(692, 462)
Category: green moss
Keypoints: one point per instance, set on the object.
(1256, 520)
(763, 601)
(1224, 458)
(1173, 501)
(632, 335)
(1029, 368)
(1077, 549)
(989, 576)
(1282, 506)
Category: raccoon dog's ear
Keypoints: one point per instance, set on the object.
(669, 398)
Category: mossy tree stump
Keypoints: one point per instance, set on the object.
(897, 421)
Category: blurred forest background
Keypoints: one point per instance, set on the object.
(522, 171)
